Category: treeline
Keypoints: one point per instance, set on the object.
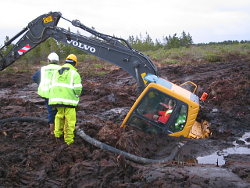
(140, 43)
(146, 44)
(224, 42)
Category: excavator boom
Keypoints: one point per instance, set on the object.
(111, 49)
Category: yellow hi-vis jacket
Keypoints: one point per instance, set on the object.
(46, 74)
(65, 87)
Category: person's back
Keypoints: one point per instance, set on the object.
(46, 75)
(43, 77)
(65, 90)
(65, 87)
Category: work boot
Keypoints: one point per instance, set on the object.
(52, 128)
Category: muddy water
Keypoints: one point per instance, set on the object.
(241, 146)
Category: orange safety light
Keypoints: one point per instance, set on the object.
(204, 96)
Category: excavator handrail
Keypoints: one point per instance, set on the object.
(195, 86)
(77, 23)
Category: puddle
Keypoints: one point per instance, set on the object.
(3, 92)
(218, 157)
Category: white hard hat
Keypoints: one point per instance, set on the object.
(53, 57)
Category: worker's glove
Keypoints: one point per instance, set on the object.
(155, 117)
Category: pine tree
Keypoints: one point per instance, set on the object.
(186, 40)
(172, 42)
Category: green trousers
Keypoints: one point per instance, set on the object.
(65, 121)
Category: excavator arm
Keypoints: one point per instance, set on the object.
(111, 49)
(31, 36)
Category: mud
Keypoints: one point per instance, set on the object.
(31, 157)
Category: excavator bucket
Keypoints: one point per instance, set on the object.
(200, 130)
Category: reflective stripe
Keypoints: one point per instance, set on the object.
(62, 85)
(71, 85)
(63, 100)
(44, 88)
(168, 112)
(45, 81)
(66, 85)
(72, 77)
(181, 119)
(77, 85)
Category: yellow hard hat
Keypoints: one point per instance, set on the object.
(72, 57)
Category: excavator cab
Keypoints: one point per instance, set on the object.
(152, 111)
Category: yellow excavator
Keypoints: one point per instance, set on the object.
(155, 99)
(152, 111)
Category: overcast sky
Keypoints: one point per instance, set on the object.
(205, 20)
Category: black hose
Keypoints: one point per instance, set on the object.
(129, 156)
(101, 145)
(23, 119)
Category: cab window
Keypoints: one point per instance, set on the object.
(154, 112)
(157, 106)
(180, 119)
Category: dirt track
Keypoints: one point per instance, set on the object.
(30, 157)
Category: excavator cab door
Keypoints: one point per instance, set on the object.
(153, 103)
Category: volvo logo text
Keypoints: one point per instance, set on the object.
(81, 45)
